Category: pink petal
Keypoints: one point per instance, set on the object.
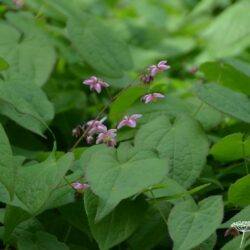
(162, 62)
(122, 124)
(158, 95)
(103, 84)
(99, 138)
(149, 99)
(94, 78)
(131, 123)
(98, 88)
(88, 82)
(135, 116)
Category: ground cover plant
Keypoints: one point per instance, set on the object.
(124, 125)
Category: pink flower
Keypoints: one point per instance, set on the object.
(90, 139)
(129, 120)
(161, 66)
(152, 97)
(95, 84)
(95, 126)
(80, 187)
(107, 137)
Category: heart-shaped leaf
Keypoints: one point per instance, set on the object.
(182, 141)
(118, 174)
(190, 224)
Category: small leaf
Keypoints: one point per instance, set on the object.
(118, 225)
(238, 192)
(182, 141)
(191, 224)
(115, 175)
(231, 147)
(225, 100)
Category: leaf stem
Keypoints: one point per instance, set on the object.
(67, 234)
(242, 239)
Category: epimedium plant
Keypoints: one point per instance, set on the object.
(158, 163)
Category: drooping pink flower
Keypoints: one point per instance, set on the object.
(80, 187)
(152, 97)
(95, 126)
(129, 120)
(161, 66)
(95, 84)
(90, 139)
(107, 137)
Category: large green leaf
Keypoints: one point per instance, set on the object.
(7, 164)
(191, 224)
(228, 34)
(225, 100)
(98, 46)
(40, 241)
(117, 226)
(232, 147)
(118, 174)
(181, 140)
(29, 54)
(26, 104)
(238, 192)
(36, 182)
(225, 73)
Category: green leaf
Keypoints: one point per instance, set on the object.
(115, 175)
(7, 164)
(40, 241)
(125, 101)
(205, 114)
(99, 46)
(29, 54)
(117, 226)
(26, 104)
(230, 148)
(181, 140)
(233, 244)
(209, 243)
(3, 64)
(152, 230)
(242, 215)
(13, 217)
(36, 182)
(224, 37)
(225, 100)
(224, 73)
(238, 192)
(191, 224)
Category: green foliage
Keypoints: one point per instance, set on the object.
(191, 224)
(166, 183)
(124, 172)
(181, 140)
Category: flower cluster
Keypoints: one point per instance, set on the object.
(95, 130)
